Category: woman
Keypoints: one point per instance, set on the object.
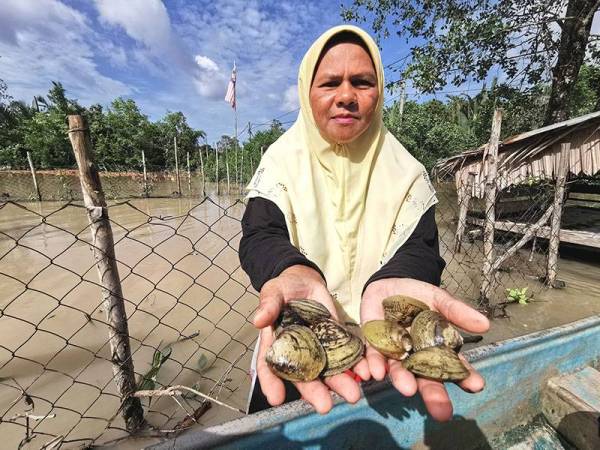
(341, 213)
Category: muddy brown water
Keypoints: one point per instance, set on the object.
(181, 276)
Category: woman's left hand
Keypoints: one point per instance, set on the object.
(433, 392)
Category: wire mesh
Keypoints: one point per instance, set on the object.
(183, 289)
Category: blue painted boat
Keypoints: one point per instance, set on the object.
(515, 371)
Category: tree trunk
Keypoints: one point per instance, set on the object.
(573, 42)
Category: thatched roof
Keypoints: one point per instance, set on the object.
(534, 154)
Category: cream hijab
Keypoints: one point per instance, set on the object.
(347, 207)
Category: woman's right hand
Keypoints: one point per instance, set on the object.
(299, 282)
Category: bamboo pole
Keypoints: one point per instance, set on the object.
(559, 197)
(34, 176)
(189, 173)
(106, 264)
(465, 192)
(202, 171)
(145, 174)
(177, 167)
(491, 187)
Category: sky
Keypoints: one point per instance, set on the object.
(172, 55)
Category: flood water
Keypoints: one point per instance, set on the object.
(181, 277)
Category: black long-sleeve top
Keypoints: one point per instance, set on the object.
(266, 251)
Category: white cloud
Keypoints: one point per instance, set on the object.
(45, 40)
(290, 99)
(206, 63)
(146, 21)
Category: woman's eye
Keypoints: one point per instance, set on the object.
(363, 83)
(330, 84)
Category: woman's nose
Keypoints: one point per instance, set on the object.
(345, 94)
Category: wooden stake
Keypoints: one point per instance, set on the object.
(465, 192)
(145, 174)
(177, 167)
(189, 174)
(227, 170)
(217, 169)
(34, 176)
(106, 264)
(491, 187)
(202, 171)
(559, 197)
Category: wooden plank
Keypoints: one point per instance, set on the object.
(580, 237)
(571, 404)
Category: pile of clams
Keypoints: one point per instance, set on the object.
(422, 338)
(309, 343)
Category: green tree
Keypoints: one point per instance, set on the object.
(458, 40)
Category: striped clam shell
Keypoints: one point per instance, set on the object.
(342, 348)
(402, 309)
(431, 329)
(440, 363)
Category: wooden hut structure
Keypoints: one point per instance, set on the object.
(555, 152)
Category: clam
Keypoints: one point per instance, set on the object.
(308, 310)
(300, 312)
(402, 309)
(296, 354)
(440, 363)
(431, 329)
(389, 338)
(342, 348)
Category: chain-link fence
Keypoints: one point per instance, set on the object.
(188, 302)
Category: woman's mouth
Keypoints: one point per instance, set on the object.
(344, 119)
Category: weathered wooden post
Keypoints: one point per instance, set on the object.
(559, 197)
(491, 187)
(227, 170)
(202, 171)
(177, 167)
(217, 169)
(465, 191)
(189, 173)
(34, 176)
(145, 174)
(241, 171)
(106, 264)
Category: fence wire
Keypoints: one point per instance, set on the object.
(186, 299)
(188, 304)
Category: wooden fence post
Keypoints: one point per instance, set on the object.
(559, 197)
(202, 171)
(189, 173)
(227, 170)
(465, 192)
(34, 176)
(217, 169)
(491, 187)
(177, 167)
(106, 264)
(145, 174)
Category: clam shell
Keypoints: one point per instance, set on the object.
(389, 338)
(440, 363)
(342, 348)
(310, 311)
(296, 354)
(402, 309)
(431, 329)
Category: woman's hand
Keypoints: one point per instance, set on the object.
(434, 393)
(299, 282)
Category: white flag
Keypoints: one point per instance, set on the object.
(230, 96)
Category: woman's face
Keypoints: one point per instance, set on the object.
(344, 93)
